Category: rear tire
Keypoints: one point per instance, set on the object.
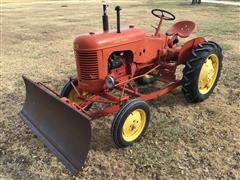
(130, 123)
(202, 71)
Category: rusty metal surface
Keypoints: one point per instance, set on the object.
(65, 131)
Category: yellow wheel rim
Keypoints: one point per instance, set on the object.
(134, 125)
(73, 96)
(208, 74)
(147, 76)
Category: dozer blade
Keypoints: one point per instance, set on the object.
(64, 130)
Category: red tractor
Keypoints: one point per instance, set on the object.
(113, 67)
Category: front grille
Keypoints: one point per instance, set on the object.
(87, 64)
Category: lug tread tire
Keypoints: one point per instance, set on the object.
(193, 67)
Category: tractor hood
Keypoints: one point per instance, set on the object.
(95, 41)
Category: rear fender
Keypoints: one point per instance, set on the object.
(186, 49)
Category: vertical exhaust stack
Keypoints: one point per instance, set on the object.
(118, 9)
(105, 18)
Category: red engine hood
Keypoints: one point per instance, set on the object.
(103, 40)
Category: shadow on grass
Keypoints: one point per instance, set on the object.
(101, 135)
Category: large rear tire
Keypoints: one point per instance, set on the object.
(202, 71)
(130, 123)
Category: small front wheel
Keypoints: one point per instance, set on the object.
(130, 123)
(69, 92)
(147, 79)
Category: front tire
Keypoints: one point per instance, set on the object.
(130, 123)
(68, 88)
(147, 79)
(69, 92)
(202, 71)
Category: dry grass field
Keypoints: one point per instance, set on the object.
(184, 141)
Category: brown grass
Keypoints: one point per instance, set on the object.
(192, 141)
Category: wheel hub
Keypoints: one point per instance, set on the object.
(208, 74)
(134, 125)
(74, 97)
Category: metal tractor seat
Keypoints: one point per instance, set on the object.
(182, 29)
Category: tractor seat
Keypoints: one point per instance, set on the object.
(182, 29)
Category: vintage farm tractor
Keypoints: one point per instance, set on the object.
(112, 68)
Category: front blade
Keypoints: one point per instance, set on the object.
(64, 130)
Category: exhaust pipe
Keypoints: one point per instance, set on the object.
(118, 9)
(105, 18)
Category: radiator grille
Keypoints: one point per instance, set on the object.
(87, 64)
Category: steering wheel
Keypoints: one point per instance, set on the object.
(163, 14)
